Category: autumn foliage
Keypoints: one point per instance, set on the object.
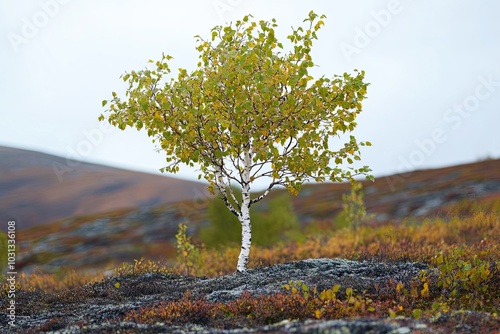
(462, 253)
(251, 110)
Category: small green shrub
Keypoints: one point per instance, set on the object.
(140, 267)
(409, 301)
(189, 259)
(327, 304)
(272, 222)
(466, 282)
(353, 212)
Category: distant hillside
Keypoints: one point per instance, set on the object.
(413, 194)
(38, 188)
(94, 241)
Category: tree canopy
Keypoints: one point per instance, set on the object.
(250, 110)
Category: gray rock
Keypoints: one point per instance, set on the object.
(320, 273)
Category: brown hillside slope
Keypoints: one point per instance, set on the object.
(414, 194)
(107, 239)
(37, 188)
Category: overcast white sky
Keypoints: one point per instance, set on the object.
(434, 69)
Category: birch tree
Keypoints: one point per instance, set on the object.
(249, 110)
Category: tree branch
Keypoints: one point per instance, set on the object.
(266, 192)
(223, 187)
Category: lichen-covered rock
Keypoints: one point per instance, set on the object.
(100, 307)
(321, 273)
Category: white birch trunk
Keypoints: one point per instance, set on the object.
(244, 216)
(246, 232)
